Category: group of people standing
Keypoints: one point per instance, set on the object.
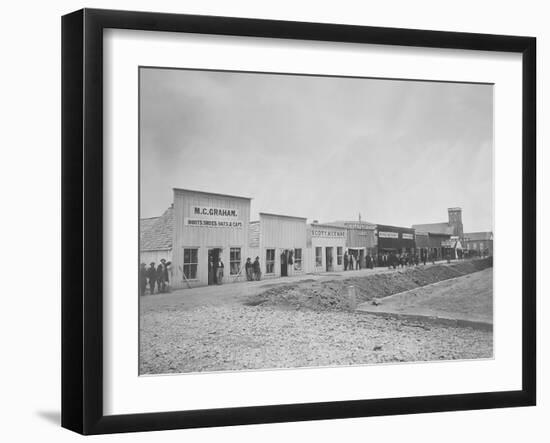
(356, 262)
(153, 275)
(394, 261)
(253, 270)
(389, 260)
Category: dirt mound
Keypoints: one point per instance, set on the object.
(333, 294)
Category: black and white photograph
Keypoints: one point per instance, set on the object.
(297, 221)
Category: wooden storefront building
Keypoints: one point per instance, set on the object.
(208, 227)
(395, 240)
(361, 238)
(280, 243)
(326, 246)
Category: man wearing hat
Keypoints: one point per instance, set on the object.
(152, 276)
(257, 270)
(249, 267)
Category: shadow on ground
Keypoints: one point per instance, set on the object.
(53, 417)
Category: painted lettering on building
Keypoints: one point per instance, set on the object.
(356, 225)
(406, 236)
(210, 223)
(206, 211)
(326, 233)
(386, 234)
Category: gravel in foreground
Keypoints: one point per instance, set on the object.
(219, 338)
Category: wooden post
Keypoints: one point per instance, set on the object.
(352, 297)
(184, 277)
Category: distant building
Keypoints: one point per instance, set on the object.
(452, 227)
(441, 240)
(361, 238)
(395, 240)
(478, 243)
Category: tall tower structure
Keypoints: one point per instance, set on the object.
(455, 221)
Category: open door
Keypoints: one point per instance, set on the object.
(284, 263)
(328, 259)
(213, 257)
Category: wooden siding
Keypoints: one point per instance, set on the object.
(204, 238)
(361, 238)
(325, 242)
(254, 234)
(281, 232)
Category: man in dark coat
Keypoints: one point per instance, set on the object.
(142, 278)
(346, 261)
(152, 276)
(249, 267)
(160, 278)
(257, 269)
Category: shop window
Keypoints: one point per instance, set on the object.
(234, 260)
(318, 256)
(298, 259)
(190, 263)
(474, 245)
(339, 254)
(270, 261)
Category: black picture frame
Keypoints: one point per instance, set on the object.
(82, 220)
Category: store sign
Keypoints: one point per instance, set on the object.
(407, 236)
(213, 217)
(210, 223)
(362, 226)
(385, 234)
(326, 233)
(211, 211)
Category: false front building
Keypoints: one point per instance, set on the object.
(279, 241)
(395, 240)
(208, 228)
(478, 243)
(361, 239)
(326, 245)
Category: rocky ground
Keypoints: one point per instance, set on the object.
(216, 338)
(287, 331)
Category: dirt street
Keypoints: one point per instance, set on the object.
(468, 298)
(215, 338)
(182, 333)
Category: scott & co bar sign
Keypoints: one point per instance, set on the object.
(327, 233)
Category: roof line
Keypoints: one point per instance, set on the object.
(210, 193)
(393, 226)
(282, 215)
(328, 226)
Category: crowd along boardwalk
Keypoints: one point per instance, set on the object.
(208, 238)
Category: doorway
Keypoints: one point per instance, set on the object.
(284, 263)
(328, 252)
(213, 258)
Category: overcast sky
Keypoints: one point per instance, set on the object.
(398, 152)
